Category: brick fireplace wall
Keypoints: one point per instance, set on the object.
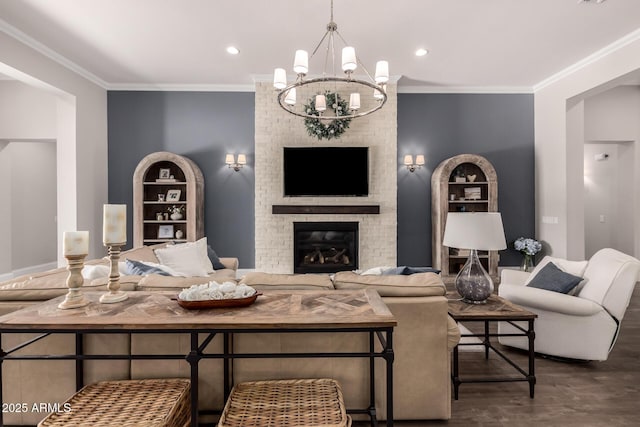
(275, 129)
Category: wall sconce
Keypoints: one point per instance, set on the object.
(408, 162)
(231, 161)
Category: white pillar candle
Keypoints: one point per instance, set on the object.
(321, 103)
(354, 101)
(75, 243)
(301, 62)
(382, 72)
(114, 227)
(280, 78)
(349, 61)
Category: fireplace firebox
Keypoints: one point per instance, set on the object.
(325, 247)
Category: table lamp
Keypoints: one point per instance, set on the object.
(474, 231)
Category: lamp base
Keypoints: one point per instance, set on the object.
(473, 283)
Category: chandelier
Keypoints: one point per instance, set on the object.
(328, 94)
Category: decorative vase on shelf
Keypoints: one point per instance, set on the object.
(176, 216)
(527, 263)
(179, 234)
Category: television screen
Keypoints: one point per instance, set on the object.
(326, 171)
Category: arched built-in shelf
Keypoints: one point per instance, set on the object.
(452, 190)
(161, 175)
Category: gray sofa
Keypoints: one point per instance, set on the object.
(422, 343)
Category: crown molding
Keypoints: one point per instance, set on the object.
(171, 87)
(49, 53)
(466, 89)
(268, 78)
(589, 60)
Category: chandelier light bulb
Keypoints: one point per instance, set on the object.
(354, 101)
(382, 72)
(349, 62)
(301, 62)
(321, 103)
(279, 78)
(290, 99)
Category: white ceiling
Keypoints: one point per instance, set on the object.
(502, 45)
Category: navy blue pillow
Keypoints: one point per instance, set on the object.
(405, 270)
(215, 261)
(139, 269)
(551, 278)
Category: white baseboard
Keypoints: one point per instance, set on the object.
(28, 270)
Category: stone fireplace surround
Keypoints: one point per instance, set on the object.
(276, 129)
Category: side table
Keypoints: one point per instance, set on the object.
(496, 309)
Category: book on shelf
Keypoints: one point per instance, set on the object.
(168, 180)
(472, 193)
(460, 252)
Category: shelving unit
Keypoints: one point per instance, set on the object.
(151, 183)
(448, 184)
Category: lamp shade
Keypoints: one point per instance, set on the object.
(321, 103)
(382, 72)
(474, 230)
(349, 61)
(229, 159)
(242, 159)
(408, 159)
(420, 160)
(301, 62)
(290, 99)
(280, 78)
(354, 101)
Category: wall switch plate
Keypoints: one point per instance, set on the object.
(549, 219)
(602, 218)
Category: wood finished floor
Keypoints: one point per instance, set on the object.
(566, 394)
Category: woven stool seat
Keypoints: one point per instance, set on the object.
(128, 403)
(286, 403)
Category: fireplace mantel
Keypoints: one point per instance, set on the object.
(325, 209)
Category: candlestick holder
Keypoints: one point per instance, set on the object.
(74, 298)
(115, 294)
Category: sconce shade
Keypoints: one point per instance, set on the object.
(229, 159)
(420, 160)
(474, 230)
(242, 159)
(408, 159)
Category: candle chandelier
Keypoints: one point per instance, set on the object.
(328, 94)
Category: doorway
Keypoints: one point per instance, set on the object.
(609, 196)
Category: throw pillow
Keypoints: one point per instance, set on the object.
(138, 268)
(551, 278)
(90, 272)
(405, 270)
(215, 260)
(185, 259)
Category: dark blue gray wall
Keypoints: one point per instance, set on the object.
(205, 126)
(498, 127)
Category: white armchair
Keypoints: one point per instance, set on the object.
(583, 324)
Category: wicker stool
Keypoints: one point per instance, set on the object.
(129, 403)
(286, 403)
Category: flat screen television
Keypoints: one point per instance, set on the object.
(326, 171)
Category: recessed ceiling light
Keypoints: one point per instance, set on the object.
(421, 52)
(233, 50)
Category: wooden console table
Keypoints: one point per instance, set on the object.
(157, 313)
(496, 309)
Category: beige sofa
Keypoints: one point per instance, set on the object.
(422, 343)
